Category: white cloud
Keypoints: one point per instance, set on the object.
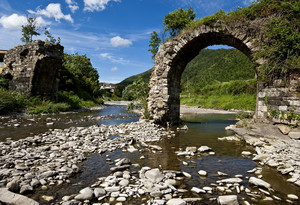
(96, 5)
(12, 22)
(72, 5)
(120, 42)
(53, 10)
(105, 55)
(114, 59)
(114, 69)
(15, 22)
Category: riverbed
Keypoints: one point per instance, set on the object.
(204, 129)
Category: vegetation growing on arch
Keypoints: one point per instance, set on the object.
(173, 23)
(281, 42)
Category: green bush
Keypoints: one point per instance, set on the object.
(11, 101)
(3, 82)
(70, 98)
(208, 20)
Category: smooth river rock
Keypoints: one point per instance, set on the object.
(259, 182)
(176, 202)
(85, 194)
(11, 198)
(228, 200)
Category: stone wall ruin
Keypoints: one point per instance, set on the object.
(32, 68)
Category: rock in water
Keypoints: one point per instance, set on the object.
(154, 175)
(85, 194)
(292, 196)
(202, 173)
(259, 182)
(176, 202)
(99, 192)
(204, 149)
(228, 200)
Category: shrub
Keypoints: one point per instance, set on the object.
(70, 98)
(3, 82)
(11, 101)
(208, 20)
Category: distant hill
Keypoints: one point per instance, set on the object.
(209, 67)
(145, 75)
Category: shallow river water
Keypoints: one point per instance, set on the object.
(203, 129)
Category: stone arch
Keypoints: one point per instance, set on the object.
(172, 58)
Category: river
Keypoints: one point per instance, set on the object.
(204, 129)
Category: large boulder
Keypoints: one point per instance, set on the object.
(11, 198)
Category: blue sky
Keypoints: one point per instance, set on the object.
(114, 34)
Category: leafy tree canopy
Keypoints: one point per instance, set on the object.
(77, 74)
(137, 91)
(177, 20)
(174, 23)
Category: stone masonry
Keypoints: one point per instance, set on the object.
(283, 95)
(173, 56)
(32, 68)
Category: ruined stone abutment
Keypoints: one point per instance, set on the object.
(32, 68)
(175, 54)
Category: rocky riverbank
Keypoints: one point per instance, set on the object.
(51, 158)
(276, 145)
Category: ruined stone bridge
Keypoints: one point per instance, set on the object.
(175, 54)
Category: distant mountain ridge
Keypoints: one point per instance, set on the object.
(209, 67)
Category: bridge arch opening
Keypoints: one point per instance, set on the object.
(218, 70)
(172, 59)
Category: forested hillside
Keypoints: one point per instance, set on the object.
(145, 76)
(214, 66)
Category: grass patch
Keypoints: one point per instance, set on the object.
(49, 107)
(226, 102)
(17, 102)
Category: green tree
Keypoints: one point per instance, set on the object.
(175, 21)
(154, 44)
(29, 30)
(138, 91)
(78, 75)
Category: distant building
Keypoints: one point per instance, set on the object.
(108, 86)
(2, 54)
